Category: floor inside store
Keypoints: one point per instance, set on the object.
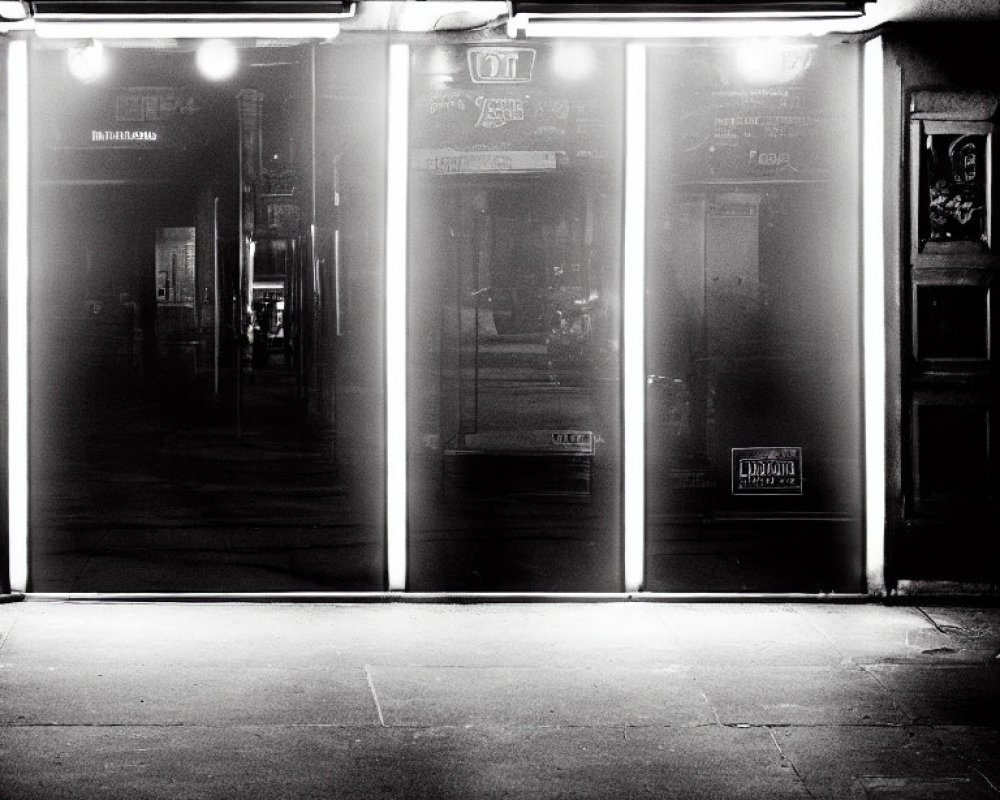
(137, 493)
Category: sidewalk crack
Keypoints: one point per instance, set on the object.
(371, 688)
(812, 624)
(718, 720)
(786, 760)
(5, 636)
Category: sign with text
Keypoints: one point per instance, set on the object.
(139, 118)
(501, 64)
(453, 162)
(505, 102)
(767, 470)
(533, 441)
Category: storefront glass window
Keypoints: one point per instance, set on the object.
(753, 405)
(514, 318)
(205, 350)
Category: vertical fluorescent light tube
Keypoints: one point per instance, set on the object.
(873, 290)
(633, 317)
(17, 311)
(395, 313)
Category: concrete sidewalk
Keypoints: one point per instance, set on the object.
(400, 700)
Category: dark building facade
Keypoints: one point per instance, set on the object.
(365, 303)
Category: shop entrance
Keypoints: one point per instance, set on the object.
(514, 351)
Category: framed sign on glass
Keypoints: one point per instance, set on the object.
(952, 208)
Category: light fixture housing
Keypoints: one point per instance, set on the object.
(190, 19)
(742, 8)
(68, 10)
(653, 20)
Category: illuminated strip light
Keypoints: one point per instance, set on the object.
(17, 312)
(873, 293)
(397, 166)
(675, 26)
(633, 318)
(82, 11)
(89, 28)
(53, 19)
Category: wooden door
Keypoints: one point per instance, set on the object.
(950, 375)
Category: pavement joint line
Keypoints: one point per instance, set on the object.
(892, 697)
(963, 756)
(983, 775)
(715, 713)
(785, 759)
(812, 624)
(371, 688)
(4, 637)
(357, 727)
(926, 661)
(205, 726)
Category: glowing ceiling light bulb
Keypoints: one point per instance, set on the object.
(763, 61)
(217, 59)
(87, 62)
(573, 61)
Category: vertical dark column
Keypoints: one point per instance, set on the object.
(250, 103)
(942, 265)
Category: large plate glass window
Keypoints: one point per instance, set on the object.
(513, 332)
(205, 348)
(753, 330)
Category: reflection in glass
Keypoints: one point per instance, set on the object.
(196, 425)
(753, 403)
(514, 319)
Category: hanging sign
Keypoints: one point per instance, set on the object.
(767, 470)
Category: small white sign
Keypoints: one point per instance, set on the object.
(501, 64)
(123, 136)
(457, 162)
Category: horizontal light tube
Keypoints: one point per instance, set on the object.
(177, 29)
(678, 28)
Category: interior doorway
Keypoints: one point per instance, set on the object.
(514, 486)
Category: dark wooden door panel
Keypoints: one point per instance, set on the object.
(950, 396)
(954, 471)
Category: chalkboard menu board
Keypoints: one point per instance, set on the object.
(513, 109)
(714, 124)
(751, 133)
